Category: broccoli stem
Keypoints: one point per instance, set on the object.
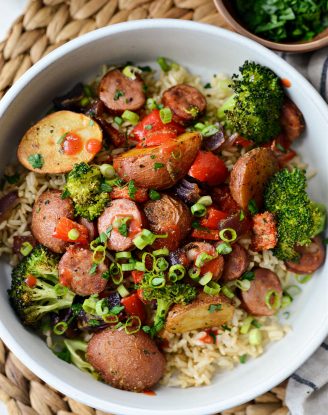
(228, 105)
(161, 312)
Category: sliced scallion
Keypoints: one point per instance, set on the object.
(273, 299)
(223, 235)
(107, 170)
(227, 292)
(73, 234)
(60, 328)
(205, 200)
(206, 278)
(198, 210)
(122, 291)
(26, 248)
(224, 248)
(130, 116)
(255, 337)
(212, 288)
(176, 272)
(132, 325)
(202, 258)
(165, 115)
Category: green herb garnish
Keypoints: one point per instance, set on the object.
(132, 190)
(36, 161)
(158, 166)
(214, 307)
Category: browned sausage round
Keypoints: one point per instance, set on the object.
(74, 271)
(118, 211)
(235, 263)
(126, 361)
(91, 227)
(186, 103)
(171, 216)
(312, 257)
(292, 120)
(47, 211)
(193, 249)
(120, 93)
(253, 300)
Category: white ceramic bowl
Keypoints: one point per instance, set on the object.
(204, 50)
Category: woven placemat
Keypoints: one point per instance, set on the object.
(45, 25)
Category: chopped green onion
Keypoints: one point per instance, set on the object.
(157, 281)
(122, 291)
(199, 126)
(131, 71)
(99, 254)
(214, 307)
(103, 237)
(212, 288)
(303, 279)
(232, 232)
(244, 329)
(158, 166)
(227, 292)
(209, 131)
(241, 216)
(73, 234)
(165, 115)
(164, 65)
(151, 104)
(293, 290)
(202, 258)
(224, 248)
(107, 170)
(93, 244)
(146, 237)
(123, 255)
(151, 260)
(286, 301)
(154, 195)
(132, 325)
(255, 337)
(198, 210)
(131, 117)
(161, 264)
(93, 268)
(244, 285)
(89, 304)
(205, 200)
(26, 248)
(194, 273)
(60, 328)
(116, 273)
(206, 278)
(176, 272)
(110, 318)
(84, 101)
(102, 307)
(140, 266)
(117, 309)
(127, 267)
(161, 252)
(243, 358)
(118, 120)
(275, 296)
(248, 275)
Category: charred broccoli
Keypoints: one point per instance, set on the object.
(35, 290)
(169, 294)
(83, 185)
(254, 109)
(298, 218)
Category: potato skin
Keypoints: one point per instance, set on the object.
(196, 315)
(143, 165)
(45, 138)
(126, 361)
(250, 174)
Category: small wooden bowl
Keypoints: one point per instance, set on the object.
(227, 10)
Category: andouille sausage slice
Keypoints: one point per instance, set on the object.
(47, 211)
(250, 174)
(120, 93)
(126, 361)
(292, 120)
(74, 271)
(311, 258)
(254, 300)
(170, 216)
(120, 210)
(186, 103)
(235, 263)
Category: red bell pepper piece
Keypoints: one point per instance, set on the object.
(140, 196)
(137, 276)
(209, 168)
(213, 218)
(209, 234)
(64, 225)
(134, 306)
(243, 142)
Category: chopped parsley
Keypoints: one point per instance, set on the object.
(93, 268)
(248, 275)
(154, 195)
(207, 86)
(36, 161)
(116, 309)
(132, 190)
(94, 323)
(214, 307)
(123, 228)
(153, 156)
(243, 358)
(105, 275)
(118, 94)
(158, 166)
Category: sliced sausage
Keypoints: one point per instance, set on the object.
(215, 266)
(222, 198)
(312, 257)
(74, 271)
(118, 211)
(292, 120)
(250, 175)
(126, 361)
(47, 211)
(186, 103)
(120, 93)
(235, 263)
(91, 227)
(253, 300)
(168, 216)
(265, 233)
(193, 249)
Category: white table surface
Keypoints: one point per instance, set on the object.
(9, 11)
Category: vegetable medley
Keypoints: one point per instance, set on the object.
(146, 236)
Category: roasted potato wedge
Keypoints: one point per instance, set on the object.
(159, 167)
(42, 147)
(250, 174)
(198, 314)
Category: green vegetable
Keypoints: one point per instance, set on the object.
(165, 115)
(31, 303)
(284, 20)
(158, 166)
(131, 117)
(298, 218)
(154, 195)
(77, 350)
(254, 109)
(36, 161)
(132, 190)
(214, 307)
(84, 185)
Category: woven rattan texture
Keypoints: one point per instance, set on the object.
(45, 25)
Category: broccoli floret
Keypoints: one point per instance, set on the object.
(77, 350)
(298, 218)
(33, 298)
(166, 296)
(83, 184)
(254, 109)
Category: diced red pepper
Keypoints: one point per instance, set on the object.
(156, 138)
(207, 339)
(209, 168)
(243, 142)
(137, 276)
(209, 234)
(64, 225)
(31, 281)
(134, 306)
(140, 196)
(213, 218)
(281, 147)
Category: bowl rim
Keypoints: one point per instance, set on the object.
(292, 47)
(17, 347)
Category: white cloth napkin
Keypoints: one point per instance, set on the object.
(307, 390)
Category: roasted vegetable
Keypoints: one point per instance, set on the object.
(254, 109)
(35, 289)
